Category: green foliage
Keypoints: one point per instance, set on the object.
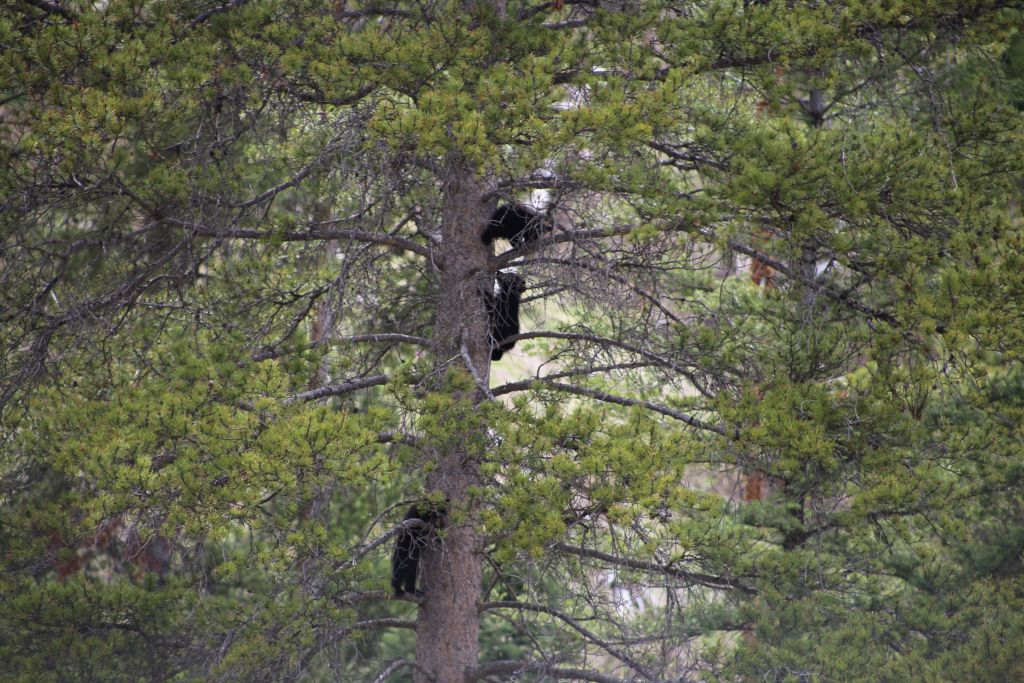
(223, 260)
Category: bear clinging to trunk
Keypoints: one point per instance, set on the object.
(518, 223)
(503, 309)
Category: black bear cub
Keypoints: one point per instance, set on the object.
(503, 309)
(409, 544)
(518, 223)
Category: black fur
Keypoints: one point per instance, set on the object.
(518, 223)
(503, 309)
(409, 543)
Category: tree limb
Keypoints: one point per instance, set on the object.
(572, 235)
(359, 553)
(708, 580)
(526, 384)
(368, 625)
(373, 12)
(503, 259)
(205, 16)
(384, 337)
(604, 272)
(841, 297)
(603, 341)
(309, 236)
(270, 353)
(688, 157)
(464, 353)
(338, 389)
(398, 664)
(376, 624)
(511, 666)
(618, 400)
(576, 626)
(52, 8)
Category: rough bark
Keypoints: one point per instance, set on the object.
(448, 622)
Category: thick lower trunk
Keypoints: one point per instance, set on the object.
(448, 625)
(448, 622)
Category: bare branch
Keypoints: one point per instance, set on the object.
(205, 16)
(309, 236)
(841, 297)
(398, 664)
(269, 353)
(503, 259)
(338, 389)
(318, 98)
(622, 401)
(570, 23)
(373, 12)
(274, 351)
(464, 353)
(575, 235)
(708, 580)
(397, 437)
(329, 639)
(359, 553)
(604, 272)
(52, 8)
(512, 666)
(545, 7)
(615, 343)
(576, 626)
(384, 337)
(377, 624)
(301, 175)
(689, 157)
(527, 383)
(603, 341)
(122, 298)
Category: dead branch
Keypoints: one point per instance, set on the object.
(708, 580)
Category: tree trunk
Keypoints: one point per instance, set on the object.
(447, 627)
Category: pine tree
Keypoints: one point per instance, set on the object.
(246, 327)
